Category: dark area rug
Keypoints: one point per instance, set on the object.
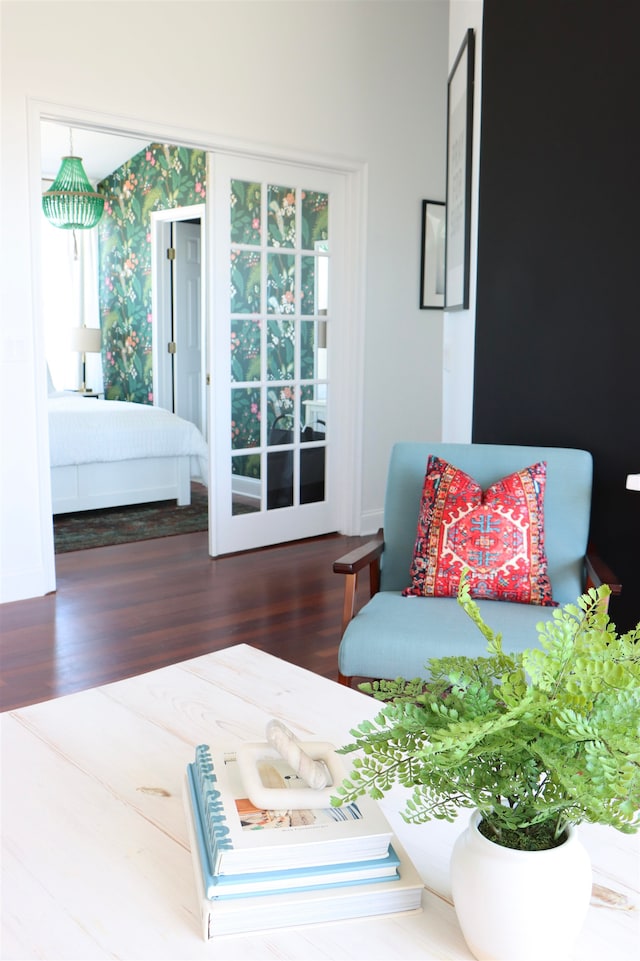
(123, 525)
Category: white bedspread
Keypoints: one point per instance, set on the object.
(85, 430)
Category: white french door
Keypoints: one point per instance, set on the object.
(278, 240)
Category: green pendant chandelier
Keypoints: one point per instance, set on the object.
(72, 203)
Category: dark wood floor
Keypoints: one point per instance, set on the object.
(121, 611)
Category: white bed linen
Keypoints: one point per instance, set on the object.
(87, 430)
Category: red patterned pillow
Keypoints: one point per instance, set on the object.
(498, 534)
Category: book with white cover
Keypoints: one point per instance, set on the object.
(279, 880)
(242, 839)
(262, 912)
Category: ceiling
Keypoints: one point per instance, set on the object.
(101, 153)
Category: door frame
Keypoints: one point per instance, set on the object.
(350, 365)
(162, 297)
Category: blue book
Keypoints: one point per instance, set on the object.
(241, 839)
(278, 908)
(276, 880)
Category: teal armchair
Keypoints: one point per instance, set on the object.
(393, 636)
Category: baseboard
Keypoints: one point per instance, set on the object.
(371, 522)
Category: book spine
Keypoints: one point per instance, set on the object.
(211, 806)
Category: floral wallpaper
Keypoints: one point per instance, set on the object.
(157, 178)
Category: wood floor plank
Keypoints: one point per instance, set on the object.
(124, 610)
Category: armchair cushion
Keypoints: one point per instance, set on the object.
(395, 636)
(498, 534)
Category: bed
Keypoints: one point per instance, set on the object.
(107, 453)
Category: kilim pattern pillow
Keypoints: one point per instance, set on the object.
(498, 534)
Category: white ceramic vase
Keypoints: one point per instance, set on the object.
(519, 905)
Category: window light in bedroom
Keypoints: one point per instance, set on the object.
(72, 203)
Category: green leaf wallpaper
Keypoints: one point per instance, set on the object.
(157, 178)
(246, 201)
(280, 314)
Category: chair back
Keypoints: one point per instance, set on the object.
(567, 504)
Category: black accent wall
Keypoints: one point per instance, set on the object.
(558, 294)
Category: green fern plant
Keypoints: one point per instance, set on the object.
(535, 741)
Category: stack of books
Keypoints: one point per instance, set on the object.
(259, 869)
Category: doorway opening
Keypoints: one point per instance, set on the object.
(346, 366)
(121, 307)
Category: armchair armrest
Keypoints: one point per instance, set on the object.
(600, 573)
(366, 556)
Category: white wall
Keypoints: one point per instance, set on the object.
(459, 325)
(370, 85)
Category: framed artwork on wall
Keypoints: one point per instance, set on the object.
(432, 262)
(458, 202)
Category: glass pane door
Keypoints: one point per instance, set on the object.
(277, 315)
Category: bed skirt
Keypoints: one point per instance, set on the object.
(87, 487)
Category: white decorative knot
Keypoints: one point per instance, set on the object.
(314, 773)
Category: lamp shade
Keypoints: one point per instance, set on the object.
(72, 203)
(86, 340)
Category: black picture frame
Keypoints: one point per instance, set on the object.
(459, 153)
(432, 272)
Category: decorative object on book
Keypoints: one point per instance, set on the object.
(315, 763)
(459, 156)
(432, 261)
(257, 869)
(266, 787)
(313, 770)
(537, 742)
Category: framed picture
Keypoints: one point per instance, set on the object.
(432, 265)
(459, 137)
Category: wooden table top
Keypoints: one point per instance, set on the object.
(95, 856)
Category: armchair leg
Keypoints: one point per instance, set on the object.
(348, 607)
(344, 679)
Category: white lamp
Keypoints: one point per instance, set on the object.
(633, 482)
(86, 340)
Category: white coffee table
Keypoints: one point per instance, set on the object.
(95, 858)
